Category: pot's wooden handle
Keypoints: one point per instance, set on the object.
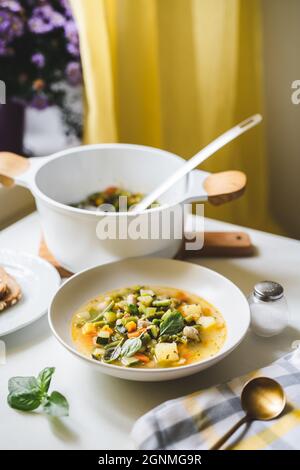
(225, 186)
(11, 165)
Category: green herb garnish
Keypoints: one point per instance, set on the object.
(172, 323)
(131, 346)
(28, 393)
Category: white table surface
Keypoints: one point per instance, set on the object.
(102, 408)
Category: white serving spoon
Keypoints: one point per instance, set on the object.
(206, 152)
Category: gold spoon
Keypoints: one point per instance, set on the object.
(262, 399)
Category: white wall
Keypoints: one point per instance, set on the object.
(281, 35)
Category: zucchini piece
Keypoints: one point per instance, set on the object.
(110, 316)
(145, 300)
(102, 341)
(97, 353)
(145, 338)
(150, 312)
(142, 309)
(154, 331)
(129, 319)
(103, 337)
(161, 303)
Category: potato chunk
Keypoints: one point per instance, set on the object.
(207, 322)
(193, 310)
(166, 352)
(89, 329)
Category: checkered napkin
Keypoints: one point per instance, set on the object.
(197, 421)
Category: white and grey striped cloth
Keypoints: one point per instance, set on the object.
(197, 421)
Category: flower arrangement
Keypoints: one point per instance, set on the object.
(39, 54)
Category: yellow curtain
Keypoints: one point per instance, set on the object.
(174, 74)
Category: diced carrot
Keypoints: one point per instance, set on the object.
(182, 296)
(136, 333)
(142, 357)
(130, 326)
(186, 354)
(111, 190)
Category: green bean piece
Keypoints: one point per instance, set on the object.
(106, 309)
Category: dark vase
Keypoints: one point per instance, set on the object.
(12, 127)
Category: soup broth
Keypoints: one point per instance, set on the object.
(148, 327)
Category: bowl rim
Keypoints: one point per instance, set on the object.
(159, 371)
(38, 193)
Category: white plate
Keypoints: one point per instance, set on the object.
(156, 271)
(38, 280)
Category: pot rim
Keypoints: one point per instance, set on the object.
(43, 161)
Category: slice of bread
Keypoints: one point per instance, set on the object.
(11, 291)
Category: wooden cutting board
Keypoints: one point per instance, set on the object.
(216, 244)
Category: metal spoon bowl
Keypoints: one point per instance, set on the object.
(262, 399)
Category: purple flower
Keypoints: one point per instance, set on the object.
(73, 73)
(44, 19)
(11, 27)
(38, 59)
(72, 37)
(11, 5)
(73, 50)
(66, 6)
(39, 101)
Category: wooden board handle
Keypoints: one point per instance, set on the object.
(220, 244)
(11, 165)
(225, 186)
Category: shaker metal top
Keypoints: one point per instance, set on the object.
(268, 290)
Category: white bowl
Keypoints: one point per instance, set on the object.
(204, 282)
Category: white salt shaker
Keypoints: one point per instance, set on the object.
(269, 310)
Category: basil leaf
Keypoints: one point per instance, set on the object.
(23, 385)
(24, 402)
(56, 405)
(131, 346)
(24, 393)
(172, 323)
(112, 354)
(44, 378)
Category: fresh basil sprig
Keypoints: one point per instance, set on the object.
(28, 393)
(172, 323)
(130, 347)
